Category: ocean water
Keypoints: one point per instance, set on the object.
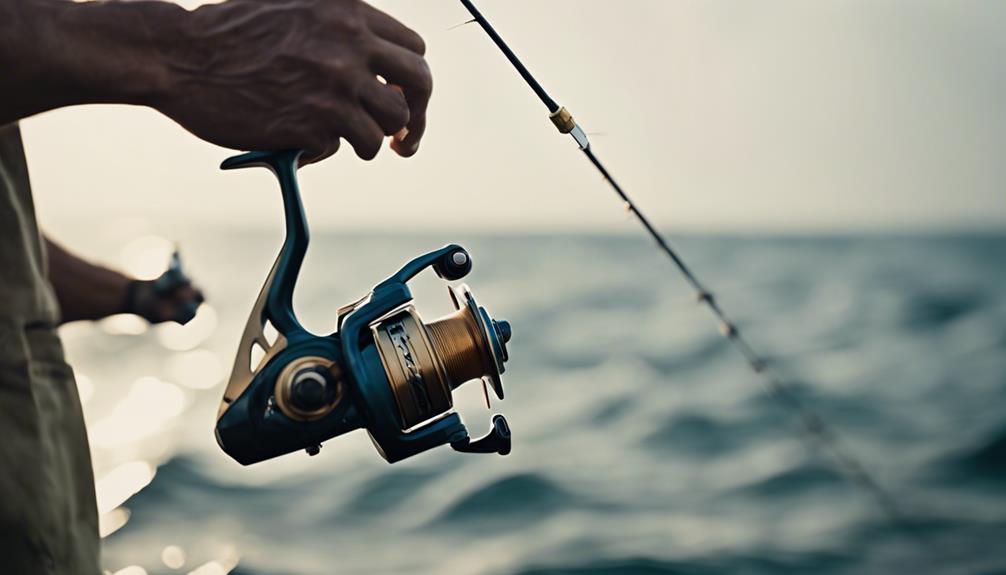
(641, 442)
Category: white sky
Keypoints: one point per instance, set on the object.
(715, 114)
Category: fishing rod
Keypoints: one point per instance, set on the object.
(813, 425)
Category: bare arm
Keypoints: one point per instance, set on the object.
(55, 53)
(86, 291)
(244, 74)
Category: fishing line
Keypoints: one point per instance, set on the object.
(814, 427)
(460, 24)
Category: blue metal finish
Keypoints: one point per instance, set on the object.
(279, 308)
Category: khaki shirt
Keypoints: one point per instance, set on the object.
(48, 516)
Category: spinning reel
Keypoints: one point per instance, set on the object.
(385, 369)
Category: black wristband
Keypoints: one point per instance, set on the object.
(130, 303)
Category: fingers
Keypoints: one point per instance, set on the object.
(178, 305)
(387, 106)
(409, 71)
(195, 295)
(185, 294)
(386, 27)
(406, 142)
(365, 135)
(397, 108)
(319, 153)
(363, 125)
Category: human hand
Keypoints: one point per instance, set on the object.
(255, 75)
(178, 304)
(170, 297)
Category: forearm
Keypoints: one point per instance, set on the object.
(84, 290)
(243, 74)
(56, 53)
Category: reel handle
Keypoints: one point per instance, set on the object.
(496, 441)
(451, 263)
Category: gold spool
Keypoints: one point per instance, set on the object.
(414, 372)
(459, 344)
(425, 362)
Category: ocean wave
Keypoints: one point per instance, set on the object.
(776, 564)
(511, 500)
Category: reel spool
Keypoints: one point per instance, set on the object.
(385, 370)
(426, 362)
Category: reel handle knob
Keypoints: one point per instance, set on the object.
(496, 441)
(453, 265)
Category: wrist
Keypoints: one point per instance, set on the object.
(130, 299)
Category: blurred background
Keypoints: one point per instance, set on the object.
(832, 169)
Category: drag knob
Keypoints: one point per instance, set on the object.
(503, 333)
(503, 329)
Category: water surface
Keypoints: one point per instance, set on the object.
(641, 443)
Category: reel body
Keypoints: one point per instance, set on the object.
(384, 369)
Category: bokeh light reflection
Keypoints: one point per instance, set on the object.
(146, 257)
(112, 521)
(116, 487)
(149, 407)
(197, 369)
(173, 557)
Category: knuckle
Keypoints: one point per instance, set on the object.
(418, 43)
(348, 17)
(401, 115)
(424, 79)
(345, 69)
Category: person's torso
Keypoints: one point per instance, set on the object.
(24, 292)
(48, 516)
